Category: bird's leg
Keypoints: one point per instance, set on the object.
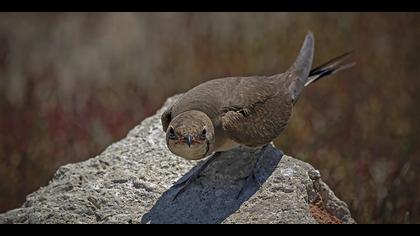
(252, 175)
(185, 183)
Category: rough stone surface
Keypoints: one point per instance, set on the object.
(132, 182)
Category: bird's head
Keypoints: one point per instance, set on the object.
(191, 135)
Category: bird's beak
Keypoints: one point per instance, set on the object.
(189, 140)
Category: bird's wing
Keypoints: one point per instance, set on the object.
(301, 68)
(256, 112)
(166, 118)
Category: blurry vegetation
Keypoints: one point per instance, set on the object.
(72, 83)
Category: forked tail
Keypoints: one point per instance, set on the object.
(331, 67)
(301, 72)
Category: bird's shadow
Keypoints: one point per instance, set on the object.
(214, 196)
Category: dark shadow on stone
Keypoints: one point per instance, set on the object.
(213, 197)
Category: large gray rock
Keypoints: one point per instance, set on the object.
(131, 182)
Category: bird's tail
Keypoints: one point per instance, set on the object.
(331, 67)
(301, 72)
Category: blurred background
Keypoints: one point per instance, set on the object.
(73, 83)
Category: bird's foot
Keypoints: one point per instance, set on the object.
(253, 177)
(185, 183)
(194, 176)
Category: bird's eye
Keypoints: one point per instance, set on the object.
(203, 134)
(172, 133)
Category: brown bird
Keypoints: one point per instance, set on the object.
(224, 113)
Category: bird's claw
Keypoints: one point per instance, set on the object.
(251, 177)
(184, 184)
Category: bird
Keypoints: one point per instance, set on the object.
(250, 111)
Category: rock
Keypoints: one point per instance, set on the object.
(132, 182)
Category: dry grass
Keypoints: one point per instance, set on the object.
(72, 83)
